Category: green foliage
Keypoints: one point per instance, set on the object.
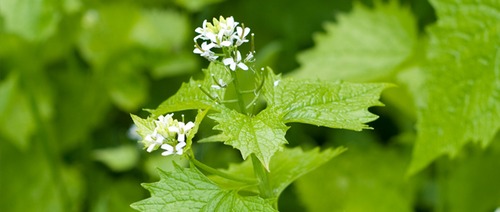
(31, 19)
(462, 81)
(71, 71)
(187, 189)
(191, 96)
(383, 38)
(330, 104)
(286, 166)
(262, 135)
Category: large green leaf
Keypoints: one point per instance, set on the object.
(262, 135)
(461, 92)
(330, 104)
(187, 189)
(365, 45)
(190, 95)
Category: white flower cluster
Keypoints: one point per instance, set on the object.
(223, 34)
(164, 135)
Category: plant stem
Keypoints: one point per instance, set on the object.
(220, 173)
(239, 95)
(263, 178)
(259, 170)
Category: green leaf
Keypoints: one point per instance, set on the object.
(368, 177)
(461, 91)
(107, 31)
(127, 87)
(118, 159)
(34, 20)
(286, 166)
(330, 104)
(365, 45)
(190, 95)
(161, 29)
(17, 124)
(262, 135)
(187, 189)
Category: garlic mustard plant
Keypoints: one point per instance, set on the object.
(251, 117)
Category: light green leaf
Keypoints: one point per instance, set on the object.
(461, 92)
(118, 159)
(17, 124)
(187, 189)
(330, 104)
(190, 95)
(289, 165)
(33, 20)
(144, 126)
(158, 29)
(286, 166)
(262, 135)
(365, 45)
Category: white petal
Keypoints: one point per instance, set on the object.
(243, 66)
(180, 146)
(168, 149)
(173, 129)
(151, 147)
(181, 138)
(188, 126)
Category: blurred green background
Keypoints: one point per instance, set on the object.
(71, 72)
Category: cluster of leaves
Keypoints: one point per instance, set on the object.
(336, 105)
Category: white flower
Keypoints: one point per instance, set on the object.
(233, 62)
(240, 35)
(152, 140)
(205, 51)
(168, 149)
(179, 148)
(181, 130)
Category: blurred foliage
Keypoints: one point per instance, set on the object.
(71, 71)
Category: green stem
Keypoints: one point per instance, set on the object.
(239, 95)
(263, 178)
(220, 173)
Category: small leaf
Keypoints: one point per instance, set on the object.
(190, 95)
(365, 45)
(261, 135)
(187, 189)
(144, 126)
(285, 167)
(461, 90)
